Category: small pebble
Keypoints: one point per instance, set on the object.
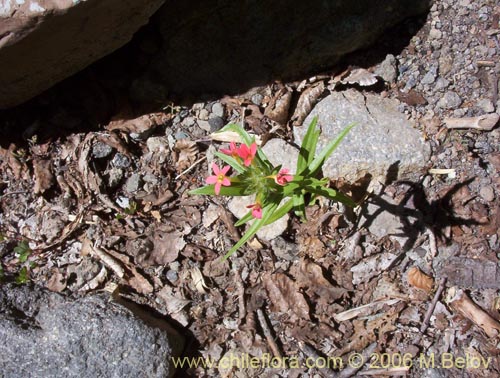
(487, 193)
(218, 109)
(216, 124)
(121, 161)
(486, 105)
(101, 150)
(450, 100)
(133, 183)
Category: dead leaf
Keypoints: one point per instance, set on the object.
(307, 100)
(114, 141)
(310, 277)
(56, 282)
(174, 302)
(361, 77)
(279, 105)
(43, 175)
(198, 280)
(419, 279)
(285, 296)
(140, 124)
(412, 98)
(8, 157)
(187, 151)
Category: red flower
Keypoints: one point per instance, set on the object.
(256, 210)
(233, 151)
(219, 179)
(247, 153)
(283, 177)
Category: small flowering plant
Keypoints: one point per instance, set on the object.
(277, 191)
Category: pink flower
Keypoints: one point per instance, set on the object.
(247, 153)
(283, 177)
(256, 210)
(219, 178)
(233, 151)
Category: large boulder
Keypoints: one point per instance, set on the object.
(45, 41)
(384, 144)
(227, 46)
(47, 335)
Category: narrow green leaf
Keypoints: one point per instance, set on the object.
(248, 217)
(266, 214)
(299, 206)
(332, 194)
(308, 148)
(235, 164)
(327, 151)
(236, 189)
(280, 212)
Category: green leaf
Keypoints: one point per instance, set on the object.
(332, 194)
(308, 148)
(299, 205)
(245, 137)
(236, 189)
(235, 164)
(327, 151)
(248, 217)
(266, 214)
(22, 276)
(23, 251)
(280, 212)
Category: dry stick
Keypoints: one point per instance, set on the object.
(190, 168)
(240, 290)
(313, 355)
(351, 369)
(434, 302)
(268, 334)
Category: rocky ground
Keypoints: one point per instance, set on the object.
(410, 275)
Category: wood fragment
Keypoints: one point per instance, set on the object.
(460, 302)
(313, 355)
(484, 122)
(364, 310)
(352, 369)
(268, 334)
(430, 310)
(485, 63)
(403, 370)
(240, 290)
(109, 261)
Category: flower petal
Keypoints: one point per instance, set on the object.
(224, 170)
(226, 182)
(217, 188)
(216, 169)
(211, 179)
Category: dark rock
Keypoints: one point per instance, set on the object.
(216, 124)
(45, 334)
(43, 42)
(225, 46)
(121, 161)
(101, 150)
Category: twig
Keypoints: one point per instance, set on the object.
(240, 290)
(268, 334)
(190, 168)
(12, 193)
(109, 261)
(352, 368)
(313, 355)
(434, 302)
(432, 246)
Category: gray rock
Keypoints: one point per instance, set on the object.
(281, 153)
(213, 57)
(487, 193)
(441, 83)
(388, 70)
(216, 123)
(450, 100)
(486, 105)
(430, 76)
(383, 143)
(257, 99)
(47, 335)
(133, 183)
(218, 109)
(101, 150)
(35, 55)
(115, 175)
(121, 161)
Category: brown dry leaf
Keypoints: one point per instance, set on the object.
(419, 279)
(198, 280)
(56, 282)
(310, 277)
(285, 296)
(279, 105)
(174, 302)
(43, 175)
(412, 98)
(140, 124)
(367, 332)
(307, 100)
(8, 157)
(187, 151)
(132, 276)
(114, 141)
(361, 77)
